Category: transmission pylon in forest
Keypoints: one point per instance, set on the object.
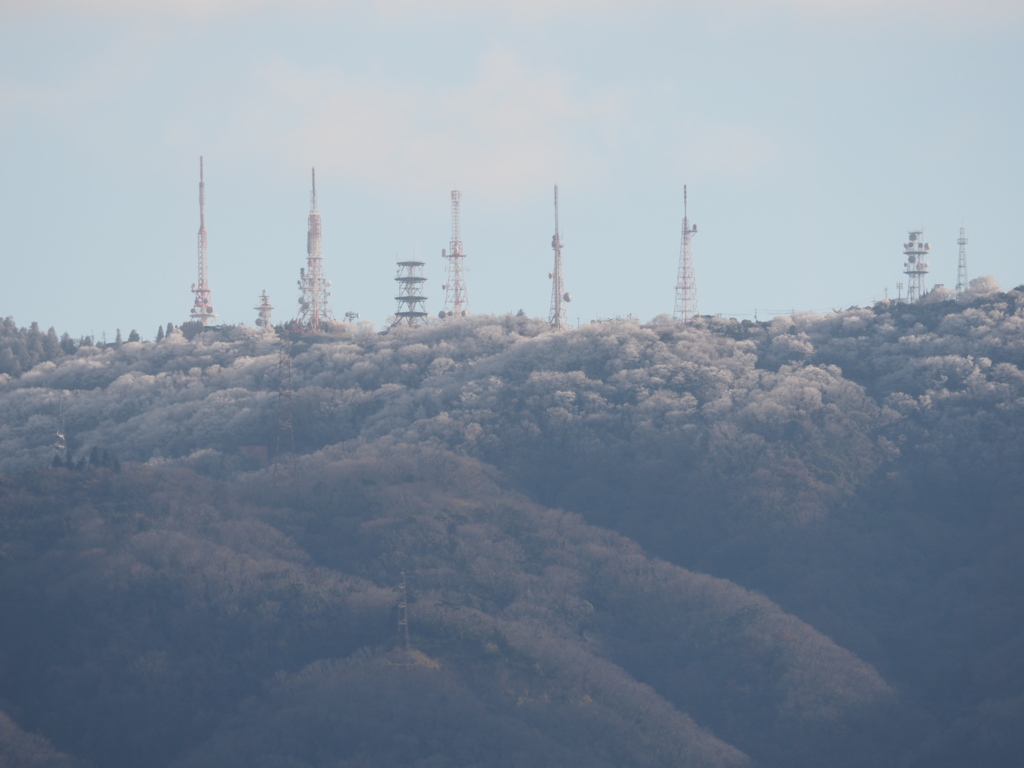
(403, 616)
(285, 426)
(202, 306)
(314, 289)
(961, 267)
(60, 443)
(687, 306)
(558, 316)
(456, 300)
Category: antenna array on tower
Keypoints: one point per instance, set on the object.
(456, 300)
(687, 306)
(202, 307)
(915, 267)
(558, 316)
(264, 308)
(314, 290)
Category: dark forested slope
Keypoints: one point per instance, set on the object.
(860, 470)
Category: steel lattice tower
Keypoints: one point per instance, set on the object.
(961, 267)
(264, 308)
(456, 300)
(687, 306)
(202, 307)
(558, 316)
(314, 290)
(915, 268)
(410, 296)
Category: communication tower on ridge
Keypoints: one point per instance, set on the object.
(961, 267)
(687, 306)
(264, 308)
(456, 301)
(558, 317)
(314, 290)
(202, 307)
(410, 296)
(915, 267)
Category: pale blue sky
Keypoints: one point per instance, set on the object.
(812, 134)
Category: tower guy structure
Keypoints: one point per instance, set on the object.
(915, 267)
(686, 307)
(961, 265)
(314, 290)
(558, 316)
(410, 296)
(456, 300)
(202, 307)
(264, 308)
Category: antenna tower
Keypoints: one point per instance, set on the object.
(403, 615)
(687, 307)
(314, 290)
(915, 267)
(202, 307)
(961, 267)
(456, 301)
(558, 317)
(264, 308)
(410, 296)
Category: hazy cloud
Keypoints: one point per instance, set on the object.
(499, 134)
(893, 10)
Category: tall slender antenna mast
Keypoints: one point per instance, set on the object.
(456, 300)
(314, 290)
(202, 307)
(961, 268)
(687, 307)
(558, 317)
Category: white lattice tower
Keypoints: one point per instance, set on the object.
(558, 317)
(915, 267)
(314, 290)
(687, 306)
(264, 308)
(456, 300)
(961, 266)
(202, 306)
(410, 296)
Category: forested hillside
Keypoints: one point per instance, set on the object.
(792, 543)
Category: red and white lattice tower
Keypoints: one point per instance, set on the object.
(264, 308)
(961, 266)
(915, 267)
(456, 300)
(202, 307)
(687, 307)
(314, 290)
(558, 317)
